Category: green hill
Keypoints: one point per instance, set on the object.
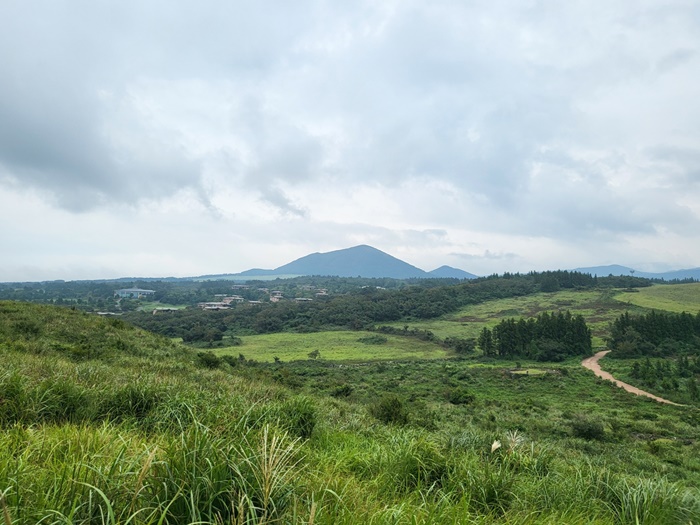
(103, 423)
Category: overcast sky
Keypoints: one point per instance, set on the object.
(179, 138)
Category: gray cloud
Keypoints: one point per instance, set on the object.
(486, 255)
(543, 120)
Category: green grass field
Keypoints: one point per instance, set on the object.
(598, 307)
(103, 423)
(333, 346)
(669, 297)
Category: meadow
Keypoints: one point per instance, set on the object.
(599, 307)
(341, 345)
(104, 423)
(669, 297)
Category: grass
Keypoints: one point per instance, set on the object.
(333, 346)
(669, 297)
(598, 307)
(137, 432)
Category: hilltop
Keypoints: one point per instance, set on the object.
(358, 261)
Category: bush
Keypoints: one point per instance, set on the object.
(373, 340)
(460, 396)
(209, 360)
(415, 463)
(585, 428)
(342, 390)
(390, 410)
(60, 401)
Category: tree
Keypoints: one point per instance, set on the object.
(485, 342)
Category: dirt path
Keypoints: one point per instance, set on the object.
(592, 364)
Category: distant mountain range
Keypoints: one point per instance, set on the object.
(616, 269)
(359, 261)
(366, 261)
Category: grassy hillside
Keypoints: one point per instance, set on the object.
(669, 297)
(599, 308)
(103, 423)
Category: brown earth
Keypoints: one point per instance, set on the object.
(592, 364)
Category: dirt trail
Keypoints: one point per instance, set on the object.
(592, 364)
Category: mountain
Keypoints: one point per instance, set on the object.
(359, 261)
(451, 273)
(604, 271)
(616, 269)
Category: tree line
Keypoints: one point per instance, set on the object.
(655, 334)
(547, 337)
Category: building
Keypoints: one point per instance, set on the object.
(133, 293)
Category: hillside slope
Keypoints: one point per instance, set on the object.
(153, 434)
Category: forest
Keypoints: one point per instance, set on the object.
(655, 334)
(547, 337)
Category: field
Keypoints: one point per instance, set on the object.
(334, 346)
(669, 297)
(103, 423)
(598, 307)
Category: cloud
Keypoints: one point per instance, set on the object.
(499, 121)
(486, 255)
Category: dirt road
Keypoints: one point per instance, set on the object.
(592, 364)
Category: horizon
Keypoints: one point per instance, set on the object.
(581, 269)
(487, 137)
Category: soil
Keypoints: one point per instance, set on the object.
(592, 364)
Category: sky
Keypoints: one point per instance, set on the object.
(181, 138)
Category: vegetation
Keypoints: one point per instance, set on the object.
(547, 337)
(367, 405)
(669, 297)
(104, 423)
(655, 333)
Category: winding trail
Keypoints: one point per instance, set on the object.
(592, 364)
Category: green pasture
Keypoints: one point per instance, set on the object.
(598, 307)
(669, 297)
(334, 346)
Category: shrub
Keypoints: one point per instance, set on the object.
(14, 399)
(583, 427)
(209, 360)
(460, 396)
(342, 390)
(373, 340)
(414, 463)
(390, 410)
(60, 401)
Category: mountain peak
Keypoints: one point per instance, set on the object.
(358, 261)
(449, 272)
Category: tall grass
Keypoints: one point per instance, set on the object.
(126, 439)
